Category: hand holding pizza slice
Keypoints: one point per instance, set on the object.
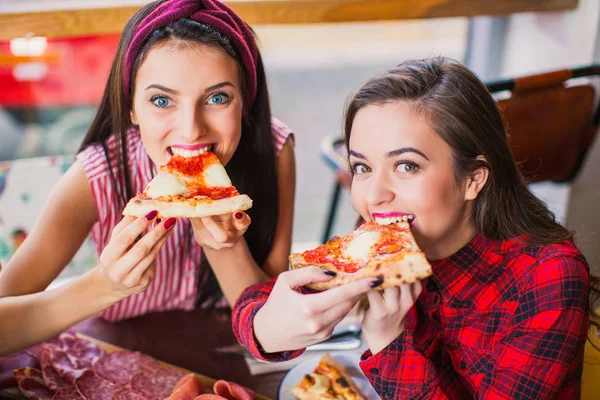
(189, 187)
(388, 252)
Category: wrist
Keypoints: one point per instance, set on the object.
(379, 341)
(260, 332)
(104, 289)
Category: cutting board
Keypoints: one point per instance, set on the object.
(109, 348)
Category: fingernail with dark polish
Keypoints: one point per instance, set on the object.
(157, 220)
(238, 215)
(329, 272)
(169, 223)
(151, 215)
(376, 282)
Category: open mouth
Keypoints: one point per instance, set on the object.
(393, 220)
(189, 153)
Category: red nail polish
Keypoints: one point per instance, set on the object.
(169, 223)
(238, 215)
(151, 215)
(158, 220)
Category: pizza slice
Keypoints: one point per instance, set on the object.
(373, 250)
(329, 380)
(189, 187)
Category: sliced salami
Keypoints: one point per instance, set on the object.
(32, 385)
(64, 366)
(120, 366)
(127, 394)
(156, 384)
(14, 361)
(67, 393)
(82, 353)
(92, 387)
(53, 380)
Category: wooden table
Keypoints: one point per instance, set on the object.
(187, 340)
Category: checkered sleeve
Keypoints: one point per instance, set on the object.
(400, 372)
(546, 334)
(244, 310)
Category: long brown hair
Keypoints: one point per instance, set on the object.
(463, 113)
(251, 169)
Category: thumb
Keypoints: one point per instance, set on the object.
(305, 275)
(241, 220)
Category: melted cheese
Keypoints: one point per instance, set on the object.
(321, 385)
(359, 247)
(215, 175)
(165, 184)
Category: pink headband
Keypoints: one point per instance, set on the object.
(210, 12)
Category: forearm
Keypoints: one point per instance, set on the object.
(235, 269)
(30, 319)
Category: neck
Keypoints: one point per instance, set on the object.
(454, 242)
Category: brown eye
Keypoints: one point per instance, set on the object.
(406, 167)
(360, 169)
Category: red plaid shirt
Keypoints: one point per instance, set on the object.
(497, 320)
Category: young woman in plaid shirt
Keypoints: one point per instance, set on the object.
(505, 314)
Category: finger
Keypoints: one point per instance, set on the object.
(224, 220)
(416, 289)
(333, 315)
(341, 293)
(145, 245)
(216, 231)
(406, 297)
(241, 221)
(128, 236)
(391, 297)
(140, 271)
(303, 276)
(125, 222)
(377, 304)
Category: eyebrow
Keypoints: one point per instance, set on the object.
(172, 91)
(391, 154)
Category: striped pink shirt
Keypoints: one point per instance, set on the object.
(177, 272)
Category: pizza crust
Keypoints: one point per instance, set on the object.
(304, 394)
(191, 208)
(406, 267)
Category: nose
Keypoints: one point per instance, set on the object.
(380, 189)
(192, 124)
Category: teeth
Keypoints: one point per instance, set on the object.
(189, 153)
(393, 220)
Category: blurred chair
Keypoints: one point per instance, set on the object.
(551, 122)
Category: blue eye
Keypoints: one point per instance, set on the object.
(219, 98)
(160, 101)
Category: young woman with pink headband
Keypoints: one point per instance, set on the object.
(187, 76)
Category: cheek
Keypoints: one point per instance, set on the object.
(358, 195)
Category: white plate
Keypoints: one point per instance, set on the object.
(348, 360)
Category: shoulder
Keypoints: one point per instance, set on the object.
(559, 267)
(281, 133)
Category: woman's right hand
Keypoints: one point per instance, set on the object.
(290, 320)
(127, 265)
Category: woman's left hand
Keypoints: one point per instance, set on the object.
(385, 319)
(222, 231)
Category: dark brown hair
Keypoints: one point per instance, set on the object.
(251, 169)
(463, 113)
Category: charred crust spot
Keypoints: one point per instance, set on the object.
(309, 379)
(399, 276)
(342, 382)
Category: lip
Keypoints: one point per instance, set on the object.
(191, 146)
(389, 214)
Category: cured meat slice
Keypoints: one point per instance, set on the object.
(92, 387)
(14, 361)
(67, 393)
(53, 380)
(188, 388)
(64, 366)
(32, 385)
(233, 391)
(120, 366)
(156, 384)
(127, 394)
(82, 353)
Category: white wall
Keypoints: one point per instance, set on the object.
(537, 42)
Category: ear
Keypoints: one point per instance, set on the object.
(133, 117)
(476, 181)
